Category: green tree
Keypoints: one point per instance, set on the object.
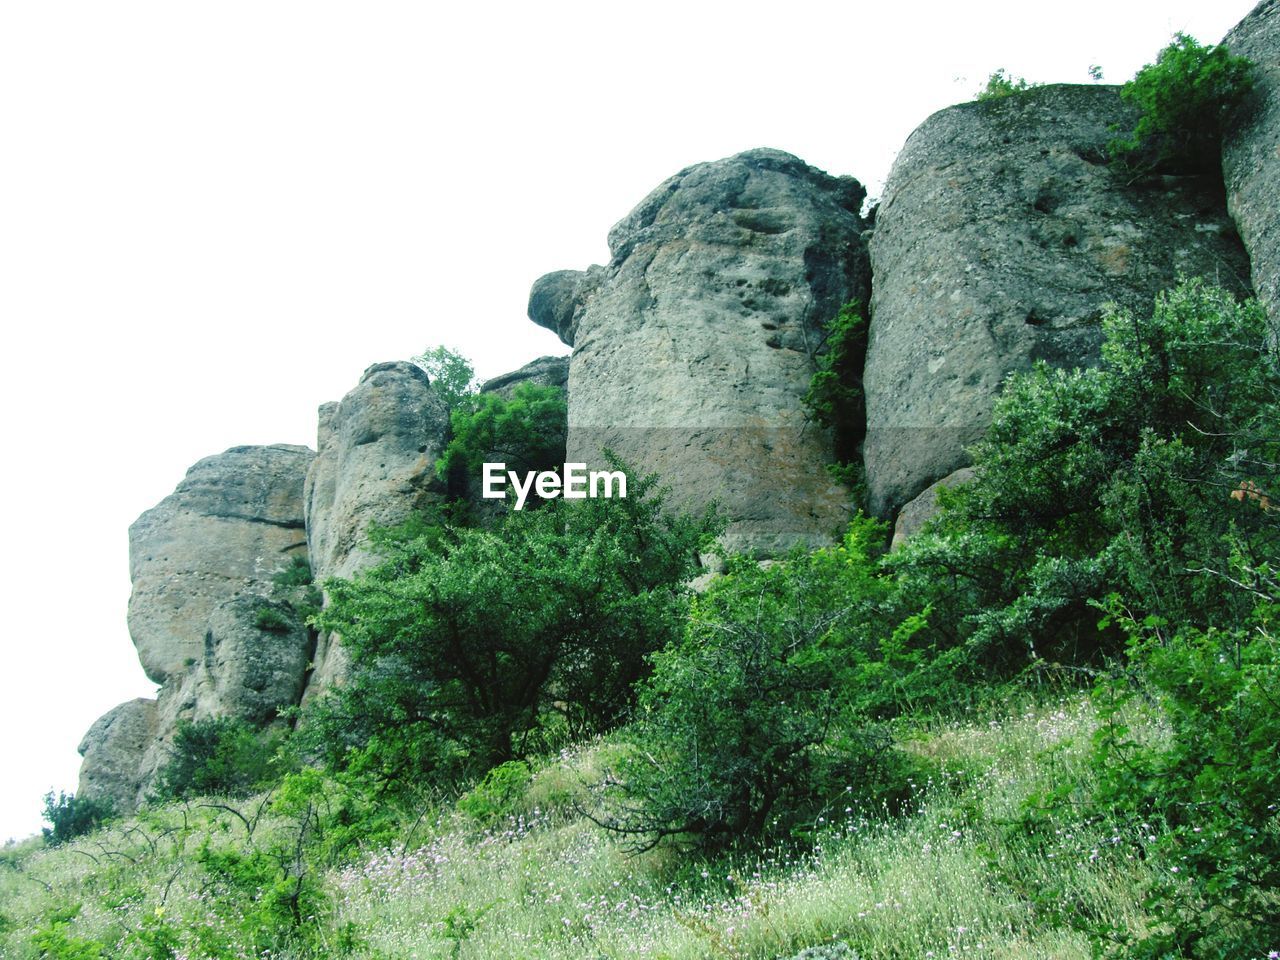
(1003, 84)
(1184, 101)
(70, 816)
(469, 643)
(526, 431)
(451, 375)
(835, 398)
(754, 721)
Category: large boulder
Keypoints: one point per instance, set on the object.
(543, 372)
(1001, 234)
(694, 345)
(376, 465)
(113, 752)
(1251, 153)
(231, 525)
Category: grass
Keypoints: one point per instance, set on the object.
(958, 876)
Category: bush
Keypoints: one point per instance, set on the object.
(1185, 99)
(835, 397)
(1212, 783)
(222, 756)
(498, 795)
(752, 723)
(70, 816)
(272, 619)
(1116, 479)
(296, 574)
(452, 377)
(1003, 84)
(525, 431)
(467, 644)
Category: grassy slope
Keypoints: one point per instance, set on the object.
(952, 879)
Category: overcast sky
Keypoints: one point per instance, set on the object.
(213, 217)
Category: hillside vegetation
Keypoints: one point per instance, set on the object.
(1045, 726)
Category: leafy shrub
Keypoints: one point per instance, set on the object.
(1185, 99)
(272, 619)
(56, 941)
(466, 642)
(1212, 783)
(451, 374)
(296, 574)
(835, 397)
(750, 724)
(1002, 84)
(1116, 479)
(525, 431)
(70, 816)
(223, 756)
(497, 795)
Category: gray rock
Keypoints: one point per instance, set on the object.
(1001, 234)
(255, 660)
(924, 507)
(1251, 154)
(376, 465)
(558, 299)
(233, 523)
(113, 752)
(693, 347)
(543, 372)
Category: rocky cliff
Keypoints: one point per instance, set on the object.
(1001, 234)
(1251, 154)
(695, 344)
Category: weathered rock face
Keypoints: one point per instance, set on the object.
(924, 506)
(693, 347)
(1001, 233)
(113, 752)
(233, 523)
(1251, 154)
(543, 372)
(376, 464)
(203, 562)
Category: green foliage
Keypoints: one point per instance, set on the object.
(55, 940)
(1212, 782)
(753, 723)
(1185, 99)
(1003, 84)
(835, 397)
(525, 431)
(222, 755)
(451, 375)
(498, 794)
(272, 619)
(70, 816)
(467, 642)
(296, 574)
(1113, 479)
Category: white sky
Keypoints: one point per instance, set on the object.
(213, 217)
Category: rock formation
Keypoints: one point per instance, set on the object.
(693, 347)
(924, 506)
(1251, 154)
(1001, 234)
(376, 464)
(233, 523)
(203, 563)
(114, 750)
(543, 372)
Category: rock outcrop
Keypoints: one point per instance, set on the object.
(114, 751)
(1251, 154)
(203, 563)
(924, 506)
(693, 347)
(376, 465)
(543, 372)
(1001, 234)
(233, 523)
